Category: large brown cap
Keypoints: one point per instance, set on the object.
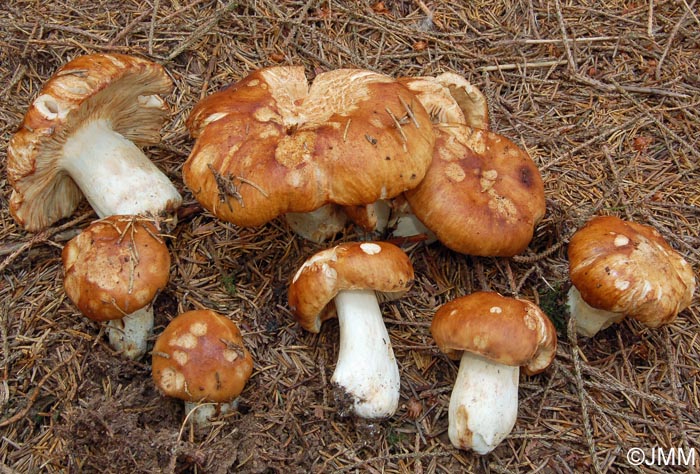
(200, 356)
(115, 266)
(450, 98)
(272, 143)
(378, 266)
(629, 268)
(482, 195)
(508, 331)
(121, 89)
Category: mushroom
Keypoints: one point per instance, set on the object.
(81, 136)
(620, 268)
(345, 281)
(482, 195)
(200, 358)
(448, 98)
(273, 144)
(494, 336)
(113, 271)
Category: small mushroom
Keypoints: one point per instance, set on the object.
(620, 268)
(81, 137)
(200, 358)
(275, 143)
(345, 281)
(493, 336)
(113, 271)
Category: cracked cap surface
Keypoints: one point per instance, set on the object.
(275, 143)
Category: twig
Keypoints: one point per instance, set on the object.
(35, 394)
(671, 38)
(202, 29)
(128, 28)
(40, 238)
(539, 256)
(510, 67)
(581, 391)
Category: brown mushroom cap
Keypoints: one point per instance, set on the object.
(115, 266)
(628, 268)
(122, 89)
(200, 356)
(378, 266)
(272, 143)
(508, 331)
(482, 195)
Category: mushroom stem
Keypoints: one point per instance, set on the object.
(484, 403)
(366, 370)
(589, 320)
(129, 335)
(114, 174)
(200, 414)
(405, 224)
(319, 225)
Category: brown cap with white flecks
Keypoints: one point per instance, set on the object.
(628, 268)
(482, 195)
(200, 356)
(378, 266)
(509, 331)
(275, 143)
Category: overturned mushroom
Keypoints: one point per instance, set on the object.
(113, 271)
(81, 137)
(620, 268)
(345, 281)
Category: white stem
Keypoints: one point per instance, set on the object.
(366, 368)
(129, 335)
(319, 225)
(115, 176)
(409, 226)
(589, 320)
(484, 403)
(200, 414)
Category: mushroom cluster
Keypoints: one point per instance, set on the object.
(409, 155)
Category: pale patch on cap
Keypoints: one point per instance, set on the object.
(171, 380)
(621, 240)
(199, 328)
(180, 357)
(370, 248)
(186, 341)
